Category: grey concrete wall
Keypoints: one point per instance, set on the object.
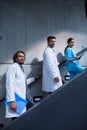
(25, 25)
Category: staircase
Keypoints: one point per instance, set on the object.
(65, 109)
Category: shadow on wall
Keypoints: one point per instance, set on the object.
(2, 86)
(36, 69)
(62, 66)
(60, 57)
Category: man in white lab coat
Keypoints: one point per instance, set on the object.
(51, 79)
(16, 83)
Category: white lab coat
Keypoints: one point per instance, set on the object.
(15, 82)
(50, 71)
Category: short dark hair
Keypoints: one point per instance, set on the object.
(70, 39)
(16, 55)
(50, 37)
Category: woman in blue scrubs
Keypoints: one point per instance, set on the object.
(72, 60)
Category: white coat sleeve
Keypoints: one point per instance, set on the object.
(30, 80)
(10, 84)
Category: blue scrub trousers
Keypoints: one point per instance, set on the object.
(78, 70)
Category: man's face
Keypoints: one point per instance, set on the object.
(21, 58)
(51, 43)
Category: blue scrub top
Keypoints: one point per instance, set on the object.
(69, 53)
